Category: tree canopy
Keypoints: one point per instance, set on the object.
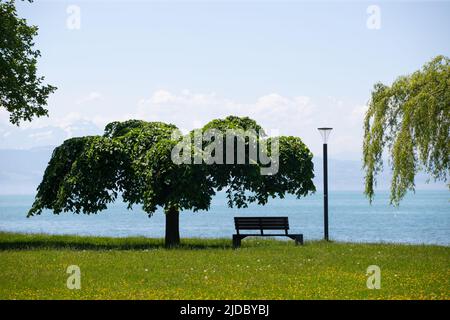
(134, 159)
(22, 92)
(410, 121)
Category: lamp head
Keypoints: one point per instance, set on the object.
(325, 133)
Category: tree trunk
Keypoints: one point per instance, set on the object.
(172, 227)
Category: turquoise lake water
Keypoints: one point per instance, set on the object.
(423, 217)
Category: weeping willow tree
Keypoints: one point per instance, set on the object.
(410, 121)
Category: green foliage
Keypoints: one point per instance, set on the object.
(22, 93)
(133, 159)
(245, 183)
(233, 122)
(296, 170)
(411, 120)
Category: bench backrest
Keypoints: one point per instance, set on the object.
(261, 223)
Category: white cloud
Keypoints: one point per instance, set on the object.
(297, 115)
(41, 135)
(162, 96)
(92, 96)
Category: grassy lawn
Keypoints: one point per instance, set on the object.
(34, 267)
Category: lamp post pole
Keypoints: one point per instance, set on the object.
(325, 132)
(325, 190)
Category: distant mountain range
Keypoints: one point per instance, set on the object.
(21, 172)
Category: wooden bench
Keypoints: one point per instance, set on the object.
(261, 224)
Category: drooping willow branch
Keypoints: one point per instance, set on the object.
(410, 121)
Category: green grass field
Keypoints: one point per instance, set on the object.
(34, 267)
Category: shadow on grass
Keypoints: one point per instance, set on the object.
(13, 241)
(68, 245)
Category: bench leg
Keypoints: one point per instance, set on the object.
(299, 240)
(236, 241)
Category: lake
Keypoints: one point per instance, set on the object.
(423, 217)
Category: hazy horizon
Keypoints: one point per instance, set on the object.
(21, 171)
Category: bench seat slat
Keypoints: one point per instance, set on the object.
(262, 218)
(261, 227)
(268, 234)
(269, 223)
(261, 223)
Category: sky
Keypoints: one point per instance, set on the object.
(292, 66)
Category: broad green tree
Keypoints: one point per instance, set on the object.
(409, 121)
(22, 92)
(134, 160)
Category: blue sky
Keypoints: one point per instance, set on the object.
(293, 66)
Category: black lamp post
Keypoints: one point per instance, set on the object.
(325, 132)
